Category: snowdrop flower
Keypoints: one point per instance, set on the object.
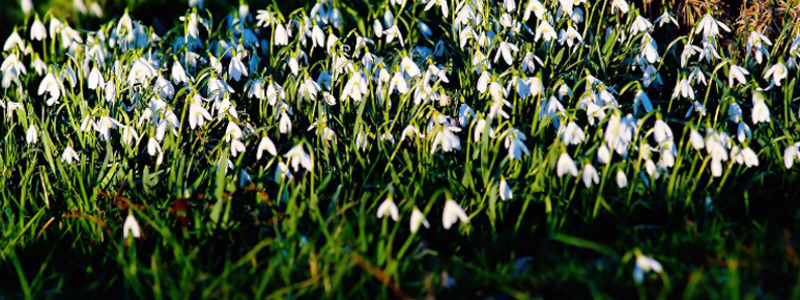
(709, 27)
(737, 73)
(465, 113)
(536, 8)
(398, 83)
(298, 157)
(546, 31)
(417, 220)
(603, 154)
(776, 73)
(572, 134)
(14, 40)
(515, 143)
(442, 5)
(506, 49)
(757, 41)
(746, 156)
(38, 31)
(388, 208)
(696, 139)
(285, 123)
(131, 228)
(409, 131)
(452, 214)
(665, 19)
(566, 165)
(684, 89)
(622, 5)
(26, 6)
(645, 264)
(622, 179)
(129, 135)
(640, 24)
(570, 36)
(760, 111)
(356, 87)
(236, 67)
(662, 132)
(641, 99)
(505, 191)
(361, 140)
(447, 139)
(590, 175)
(31, 137)
(281, 35)
(95, 79)
(394, 33)
(743, 132)
(50, 85)
(69, 156)
(790, 155)
(198, 115)
(266, 144)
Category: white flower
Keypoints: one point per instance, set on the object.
(417, 219)
(281, 36)
(696, 139)
(197, 113)
(392, 33)
(757, 40)
(737, 73)
(452, 214)
(515, 143)
(131, 228)
(26, 5)
(760, 111)
(398, 83)
(443, 5)
(622, 179)
(710, 27)
(546, 31)
(643, 265)
(298, 157)
(572, 134)
(285, 123)
(388, 208)
(505, 50)
(570, 36)
(662, 132)
(266, 144)
(791, 154)
(236, 67)
(447, 139)
(684, 89)
(355, 88)
(38, 31)
(603, 154)
(642, 99)
(536, 7)
(129, 135)
(69, 156)
(505, 191)
(31, 136)
(777, 73)
(141, 72)
(50, 85)
(622, 5)
(665, 19)
(590, 175)
(95, 79)
(566, 165)
(409, 68)
(14, 40)
(640, 24)
(747, 157)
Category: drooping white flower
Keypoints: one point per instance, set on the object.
(266, 144)
(388, 208)
(640, 24)
(281, 36)
(572, 134)
(69, 156)
(760, 111)
(696, 139)
(505, 49)
(452, 214)
(590, 175)
(447, 139)
(417, 220)
(737, 73)
(50, 85)
(645, 264)
(505, 191)
(684, 89)
(298, 157)
(31, 136)
(790, 154)
(545, 31)
(95, 79)
(38, 31)
(198, 114)
(622, 5)
(622, 179)
(131, 228)
(709, 27)
(776, 73)
(566, 165)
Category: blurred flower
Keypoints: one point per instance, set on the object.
(452, 214)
